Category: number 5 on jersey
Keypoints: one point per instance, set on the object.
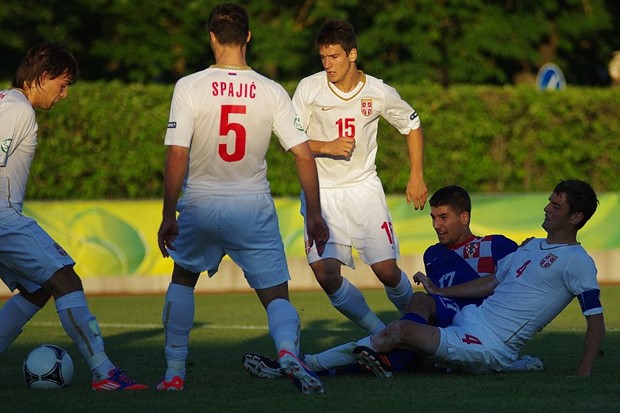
(232, 150)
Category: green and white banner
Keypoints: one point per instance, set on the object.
(119, 238)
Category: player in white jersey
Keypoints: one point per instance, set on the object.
(340, 109)
(30, 260)
(221, 121)
(531, 287)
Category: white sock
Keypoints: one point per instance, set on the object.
(341, 355)
(177, 319)
(400, 294)
(81, 325)
(365, 342)
(284, 325)
(14, 314)
(350, 302)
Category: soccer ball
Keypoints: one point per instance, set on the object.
(48, 367)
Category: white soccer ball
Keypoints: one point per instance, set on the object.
(48, 367)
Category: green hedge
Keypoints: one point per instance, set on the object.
(106, 141)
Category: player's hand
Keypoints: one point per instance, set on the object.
(416, 192)
(429, 286)
(167, 233)
(318, 233)
(342, 147)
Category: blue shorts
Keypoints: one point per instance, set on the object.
(445, 309)
(243, 227)
(28, 255)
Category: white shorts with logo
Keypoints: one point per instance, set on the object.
(28, 255)
(467, 346)
(357, 217)
(243, 227)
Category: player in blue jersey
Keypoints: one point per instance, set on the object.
(458, 257)
(530, 288)
(31, 262)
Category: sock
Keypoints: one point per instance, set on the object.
(339, 356)
(82, 327)
(284, 325)
(14, 314)
(177, 319)
(350, 302)
(400, 294)
(365, 342)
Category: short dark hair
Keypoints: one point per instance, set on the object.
(230, 24)
(337, 32)
(453, 196)
(47, 57)
(580, 197)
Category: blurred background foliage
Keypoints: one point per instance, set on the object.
(439, 41)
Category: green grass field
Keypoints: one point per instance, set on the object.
(227, 326)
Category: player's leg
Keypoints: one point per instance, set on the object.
(17, 311)
(81, 325)
(344, 296)
(284, 327)
(177, 319)
(397, 285)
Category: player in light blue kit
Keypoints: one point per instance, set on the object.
(530, 288)
(30, 260)
(221, 121)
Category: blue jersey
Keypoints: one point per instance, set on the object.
(473, 259)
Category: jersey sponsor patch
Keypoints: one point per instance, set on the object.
(413, 115)
(548, 260)
(297, 123)
(60, 250)
(366, 107)
(172, 125)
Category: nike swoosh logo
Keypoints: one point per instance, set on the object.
(326, 108)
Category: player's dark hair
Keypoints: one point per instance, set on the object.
(580, 197)
(230, 24)
(47, 57)
(337, 32)
(453, 196)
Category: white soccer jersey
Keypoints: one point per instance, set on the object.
(18, 142)
(327, 113)
(536, 283)
(226, 115)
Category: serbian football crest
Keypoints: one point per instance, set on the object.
(548, 260)
(366, 107)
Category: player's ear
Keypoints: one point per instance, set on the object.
(576, 218)
(465, 218)
(353, 55)
(249, 37)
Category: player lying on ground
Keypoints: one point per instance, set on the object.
(458, 257)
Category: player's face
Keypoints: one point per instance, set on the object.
(338, 65)
(51, 91)
(451, 228)
(557, 214)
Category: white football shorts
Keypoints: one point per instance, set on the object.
(357, 217)
(244, 227)
(467, 346)
(28, 255)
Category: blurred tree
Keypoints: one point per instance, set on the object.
(438, 41)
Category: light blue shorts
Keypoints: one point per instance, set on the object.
(28, 255)
(243, 227)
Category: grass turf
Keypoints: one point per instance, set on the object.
(227, 326)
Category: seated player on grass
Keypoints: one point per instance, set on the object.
(458, 257)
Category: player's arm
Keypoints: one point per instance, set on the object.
(479, 287)
(308, 178)
(340, 147)
(177, 160)
(595, 333)
(416, 192)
